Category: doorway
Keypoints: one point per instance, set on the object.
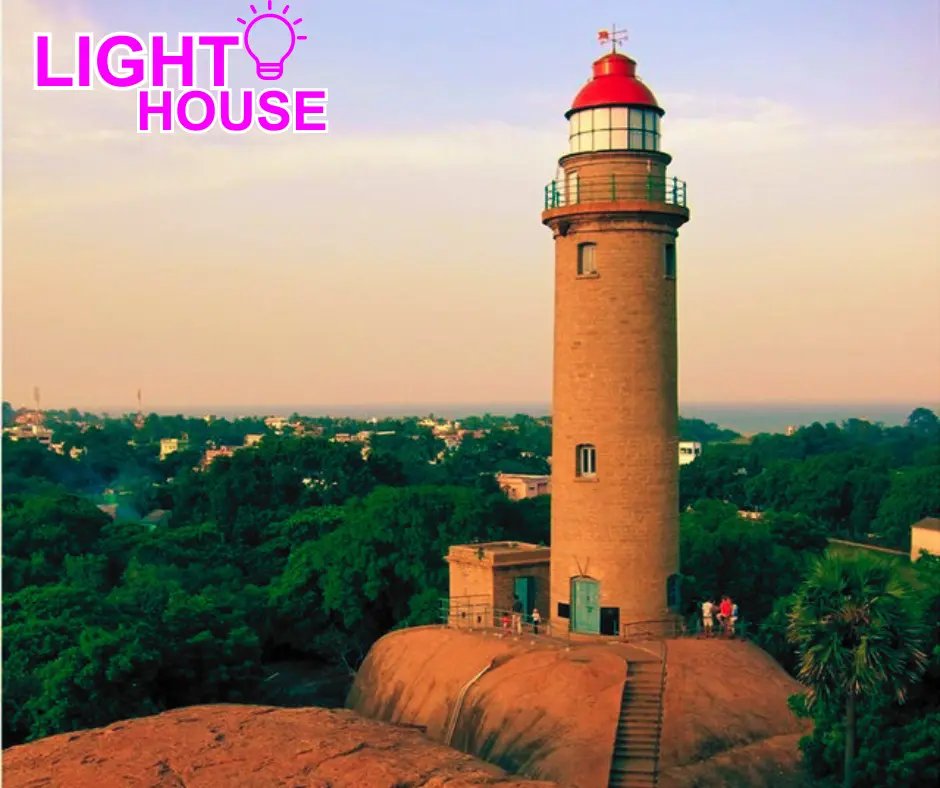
(585, 606)
(524, 588)
(572, 192)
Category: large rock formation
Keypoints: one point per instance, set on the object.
(539, 710)
(548, 712)
(248, 747)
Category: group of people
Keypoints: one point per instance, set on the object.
(726, 612)
(516, 619)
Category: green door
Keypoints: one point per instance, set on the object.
(585, 606)
(524, 588)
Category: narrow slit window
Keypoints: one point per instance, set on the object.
(586, 259)
(586, 460)
(669, 261)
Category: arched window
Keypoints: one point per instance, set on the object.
(586, 460)
(586, 259)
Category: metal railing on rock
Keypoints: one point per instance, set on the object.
(657, 629)
(468, 613)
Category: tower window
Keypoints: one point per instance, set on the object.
(669, 261)
(586, 263)
(586, 460)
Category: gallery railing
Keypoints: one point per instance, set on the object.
(611, 188)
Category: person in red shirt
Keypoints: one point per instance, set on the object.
(725, 613)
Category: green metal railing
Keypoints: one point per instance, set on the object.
(610, 188)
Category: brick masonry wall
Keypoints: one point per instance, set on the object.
(471, 579)
(615, 386)
(503, 584)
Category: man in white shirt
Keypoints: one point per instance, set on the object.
(708, 616)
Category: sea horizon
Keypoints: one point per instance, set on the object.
(741, 417)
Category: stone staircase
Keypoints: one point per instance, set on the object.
(635, 762)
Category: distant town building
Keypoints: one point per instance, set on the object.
(253, 440)
(168, 446)
(925, 535)
(157, 518)
(749, 515)
(276, 423)
(26, 430)
(688, 451)
(791, 430)
(120, 512)
(211, 455)
(524, 485)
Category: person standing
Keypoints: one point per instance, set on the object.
(516, 615)
(708, 616)
(724, 613)
(734, 617)
(536, 620)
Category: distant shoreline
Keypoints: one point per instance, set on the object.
(743, 417)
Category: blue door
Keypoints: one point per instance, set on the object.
(524, 588)
(585, 606)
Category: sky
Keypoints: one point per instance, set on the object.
(400, 258)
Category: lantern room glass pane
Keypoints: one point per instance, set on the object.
(602, 140)
(636, 119)
(573, 125)
(636, 140)
(618, 139)
(618, 118)
(602, 118)
(649, 142)
(587, 121)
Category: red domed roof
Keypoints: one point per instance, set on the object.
(614, 83)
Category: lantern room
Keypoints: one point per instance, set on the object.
(614, 110)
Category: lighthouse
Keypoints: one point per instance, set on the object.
(614, 212)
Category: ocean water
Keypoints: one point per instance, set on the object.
(744, 417)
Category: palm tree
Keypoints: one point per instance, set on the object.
(856, 633)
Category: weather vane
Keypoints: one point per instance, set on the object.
(612, 37)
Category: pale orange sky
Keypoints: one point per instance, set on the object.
(388, 267)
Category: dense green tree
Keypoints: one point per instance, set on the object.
(856, 633)
(913, 494)
(756, 562)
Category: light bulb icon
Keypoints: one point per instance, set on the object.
(269, 39)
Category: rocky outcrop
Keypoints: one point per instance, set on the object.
(248, 747)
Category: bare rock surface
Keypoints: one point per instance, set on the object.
(229, 746)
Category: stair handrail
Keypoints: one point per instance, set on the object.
(452, 723)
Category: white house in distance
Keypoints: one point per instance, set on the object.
(168, 446)
(925, 535)
(688, 451)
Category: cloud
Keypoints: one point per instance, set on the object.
(95, 157)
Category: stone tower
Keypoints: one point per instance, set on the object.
(614, 214)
